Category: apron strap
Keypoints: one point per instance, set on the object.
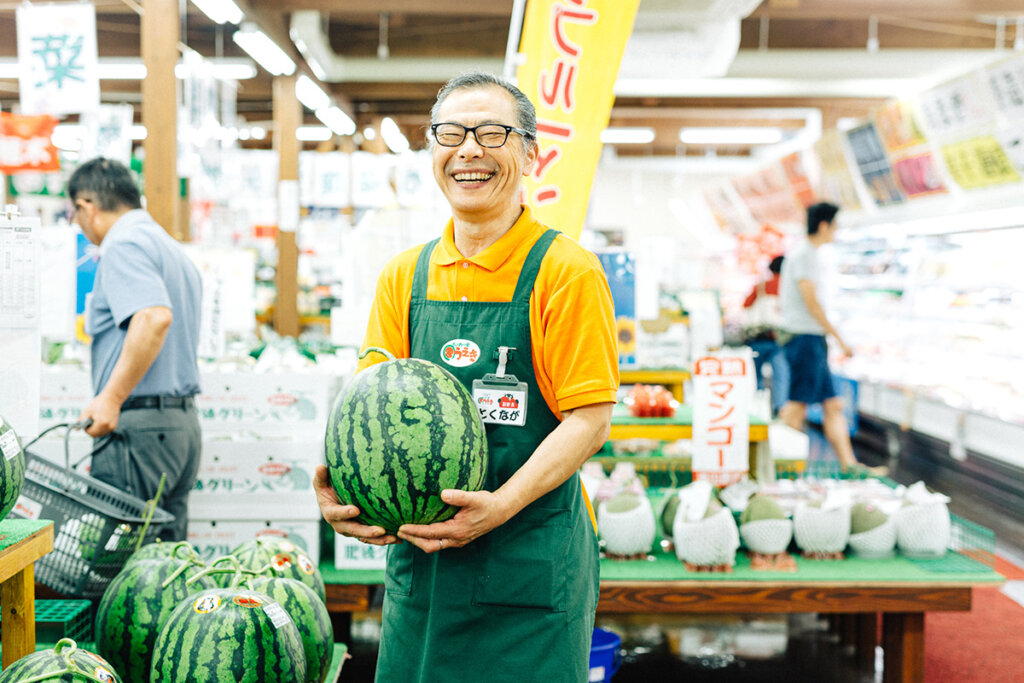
(531, 267)
(419, 278)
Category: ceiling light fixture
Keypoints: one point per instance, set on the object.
(118, 69)
(736, 135)
(337, 120)
(370, 133)
(220, 11)
(264, 50)
(313, 133)
(310, 94)
(392, 135)
(627, 136)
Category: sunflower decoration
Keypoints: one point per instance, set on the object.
(625, 332)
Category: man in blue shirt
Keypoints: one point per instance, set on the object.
(143, 316)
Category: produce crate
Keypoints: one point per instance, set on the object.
(56, 619)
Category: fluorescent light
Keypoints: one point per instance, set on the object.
(121, 70)
(220, 11)
(310, 94)
(137, 132)
(735, 135)
(67, 136)
(265, 51)
(225, 69)
(336, 120)
(258, 132)
(627, 136)
(370, 133)
(392, 135)
(313, 133)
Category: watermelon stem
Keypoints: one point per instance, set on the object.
(193, 559)
(70, 666)
(384, 352)
(235, 569)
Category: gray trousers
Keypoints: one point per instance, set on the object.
(146, 443)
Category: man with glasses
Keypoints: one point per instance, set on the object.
(508, 587)
(143, 316)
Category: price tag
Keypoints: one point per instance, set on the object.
(9, 445)
(277, 614)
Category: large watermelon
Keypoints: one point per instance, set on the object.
(12, 468)
(276, 557)
(310, 616)
(135, 607)
(229, 636)
(65, 663)
(402, 432)
(158, 550)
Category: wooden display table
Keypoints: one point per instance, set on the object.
(899, 589)
(22, 542)
(672, 378)
(679, 426)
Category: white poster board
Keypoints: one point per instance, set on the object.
(722, 389)
(20, 351)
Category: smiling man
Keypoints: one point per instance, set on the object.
(506, 589)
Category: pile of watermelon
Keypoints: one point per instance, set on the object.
(402, 432)
(255, 616)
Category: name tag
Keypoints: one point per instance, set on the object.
(501, 403)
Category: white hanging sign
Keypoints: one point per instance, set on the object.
(106, 132)
(721, 418)
(57, 59)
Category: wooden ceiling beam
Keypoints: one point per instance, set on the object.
(438, 7)
(893, 32)
(862, 9)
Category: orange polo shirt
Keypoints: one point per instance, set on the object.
(572, 319)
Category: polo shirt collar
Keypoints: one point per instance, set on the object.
(132, 217)
(494, 256)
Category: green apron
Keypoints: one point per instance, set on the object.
(517, 603)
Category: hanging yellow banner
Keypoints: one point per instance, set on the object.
(979, 162)
(570, 51)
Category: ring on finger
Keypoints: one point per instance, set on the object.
(441, 541)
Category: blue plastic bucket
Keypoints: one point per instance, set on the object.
(604, 656)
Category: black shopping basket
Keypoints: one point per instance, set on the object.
(96, 526)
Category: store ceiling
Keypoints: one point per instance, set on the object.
(793, 57)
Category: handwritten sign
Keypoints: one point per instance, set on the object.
(722, 388)
(57, 62)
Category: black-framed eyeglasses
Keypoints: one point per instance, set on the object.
(486, 134)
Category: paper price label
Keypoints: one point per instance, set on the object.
(277, 615)
(9, 445)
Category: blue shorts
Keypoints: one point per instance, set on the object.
(810, 380)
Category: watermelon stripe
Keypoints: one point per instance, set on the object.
(12, 474)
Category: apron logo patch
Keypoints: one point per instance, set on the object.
(460, 352)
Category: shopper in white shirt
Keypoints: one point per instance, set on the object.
(805, 328)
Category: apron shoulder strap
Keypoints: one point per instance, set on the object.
(419, 277)
(532, 266)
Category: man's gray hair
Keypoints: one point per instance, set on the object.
(526, 115)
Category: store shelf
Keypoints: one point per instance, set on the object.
(672, 378)
(680, 426)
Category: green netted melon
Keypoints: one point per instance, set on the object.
(668, 514)
(865, 517)
(623, 502)
(761, 507)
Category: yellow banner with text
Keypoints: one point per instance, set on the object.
(570, 52)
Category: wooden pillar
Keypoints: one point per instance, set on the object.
(19, 635)
(287, 116)
(160, 110)
(903, 642)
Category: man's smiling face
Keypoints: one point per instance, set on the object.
(481, 180)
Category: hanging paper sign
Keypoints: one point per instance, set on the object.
(1006, 80)
(1012, 141)
(954, 107)
(799, 184)
(836, 180)
(571, 51)
(897, 127)
(371, 180)
(769, 196)
(874, 165)
(57, 63)
(918, 176)
(979, 162)
(728, 210)
(106, 132)
(721, 419)
(25, 144)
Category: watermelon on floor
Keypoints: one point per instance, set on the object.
(400, 433)
(65, 662)
(12, 468)
(311, 617)
(135, 607)
(229, 636)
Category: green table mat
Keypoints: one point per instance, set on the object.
(683, 416)
(16, 530)
(337, 660)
